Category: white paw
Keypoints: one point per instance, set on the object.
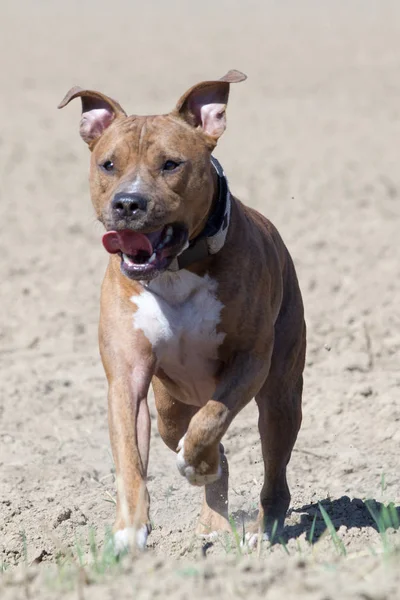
(209, 537)
(251, 540)
(190, 473)
(125, 539)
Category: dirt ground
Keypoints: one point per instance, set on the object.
(313, 141)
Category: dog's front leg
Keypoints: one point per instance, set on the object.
(129, 424)
(199, 450)
(129, 365)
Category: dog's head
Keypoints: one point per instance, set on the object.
(151, 178)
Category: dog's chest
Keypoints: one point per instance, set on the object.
(179, 314)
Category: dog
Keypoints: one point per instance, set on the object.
(200, 299)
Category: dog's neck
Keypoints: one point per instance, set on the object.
(212, 235)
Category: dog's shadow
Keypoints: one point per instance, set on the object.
(343, 511)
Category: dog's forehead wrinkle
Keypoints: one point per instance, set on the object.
(142, 133)
(167, 127)
(142, 137)
(162, 136)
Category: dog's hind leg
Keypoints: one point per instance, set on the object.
(214, 513)
(280, 414)
(173, 418)
(279, 423)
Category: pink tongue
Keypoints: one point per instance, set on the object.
(126, 241)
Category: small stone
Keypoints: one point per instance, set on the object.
(366, 391)
(64, 515)
(82, 519)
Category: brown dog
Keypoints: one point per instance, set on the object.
(200, 299)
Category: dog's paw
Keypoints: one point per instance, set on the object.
(195, 476)
(251, 540)
(211, 537)
(272, 533)
(128, 538)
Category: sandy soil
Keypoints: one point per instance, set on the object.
(313, 142)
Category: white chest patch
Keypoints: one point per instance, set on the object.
(179, 313)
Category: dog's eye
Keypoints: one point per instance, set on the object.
(108, 165)
(170, 165)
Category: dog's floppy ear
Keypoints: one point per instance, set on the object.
(204, 104)
(98, 112)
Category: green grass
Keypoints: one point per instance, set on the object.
(4, 566)
(188, 572)
(383, 483)
(76, 567)
(91, 561)
(386, 518)
(337, 542)
(284, 546)
(312, 530)
(238, 539)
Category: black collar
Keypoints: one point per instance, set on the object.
(212, 237)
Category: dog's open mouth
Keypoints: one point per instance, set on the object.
(144, 255)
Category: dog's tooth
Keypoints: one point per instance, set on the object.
(152, 258)
(127, 259)
(167, 238)
(170, 231)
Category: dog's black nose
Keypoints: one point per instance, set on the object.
(127, 206)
